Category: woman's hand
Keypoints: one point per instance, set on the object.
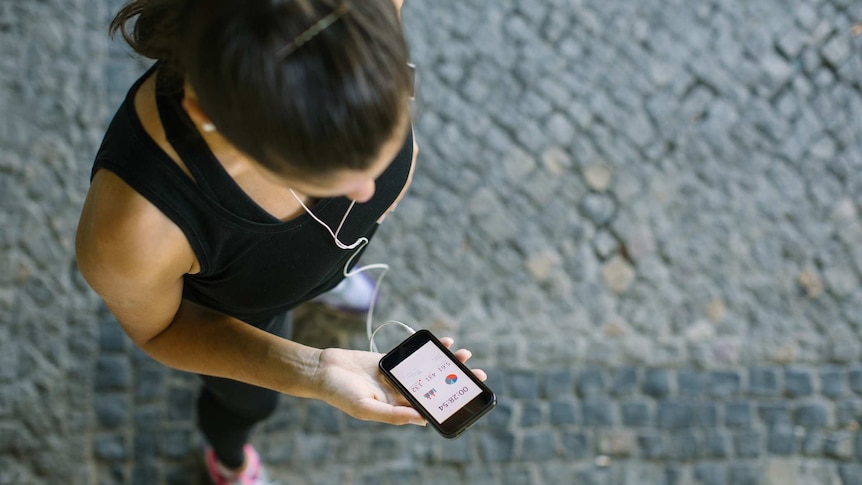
(351, 381)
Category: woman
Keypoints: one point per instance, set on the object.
(198, 232)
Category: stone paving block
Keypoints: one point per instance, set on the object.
(717, 444)
(538, 446)
(181, 475)
(848, 412)
(532, 414)
(113, 373)
(145, 472)
(517, 476)
(563, 412)
(457, 452)
(724, 383)
(599, 413)
(839, 444)
(832, 383)
(748, 444)
(145, 445)
(738, 414)
(558, 383)
(150, 383)
(813, 415)
(855, 379)
(497, 446)
(615, 443)
(774, 413)
(176, 443)
(781, 440)
(710, 473)
(10, 438)
(110, 447)
(812, 443)
(111, 336)
(690, 382)
(148, 416)
(745, 474)
(576, 444)
(591, 383)
(180, 404)
(625, 381)
(524, 384)
(112, 411)
(652, 445)
(500, 417)
(114, 474)
(685, 445)
(636, 413)
(850, 473)
(496, 381)
(657, 382)
(798, 382)
(673, 414)
(764, 381)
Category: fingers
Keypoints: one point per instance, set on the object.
(463, 355)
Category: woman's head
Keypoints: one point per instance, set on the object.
(310, 108)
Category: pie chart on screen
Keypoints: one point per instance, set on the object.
(451, 379)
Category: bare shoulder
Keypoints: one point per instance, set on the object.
(116, 219)
(132, 255)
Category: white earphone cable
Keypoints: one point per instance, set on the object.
(358, 245)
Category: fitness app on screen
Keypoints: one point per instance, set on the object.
(435, 381)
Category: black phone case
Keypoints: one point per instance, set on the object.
(466, 416)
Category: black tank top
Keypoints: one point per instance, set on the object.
(253, 266)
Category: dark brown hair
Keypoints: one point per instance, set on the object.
(330, 104)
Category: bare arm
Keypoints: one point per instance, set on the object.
(135, 259)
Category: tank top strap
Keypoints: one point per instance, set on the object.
(208, 173)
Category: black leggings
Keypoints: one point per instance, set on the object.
(228, 409)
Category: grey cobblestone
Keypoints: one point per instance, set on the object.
(748, 444)
(774, 413)
(497, 446)
(657, 382)
(728, 153)
(798, 382)
(813, 415)
(764, 381)
(738, 414)
(855, 378)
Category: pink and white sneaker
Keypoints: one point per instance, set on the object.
(253, 474)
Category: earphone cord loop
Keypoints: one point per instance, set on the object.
(358, 245)
(334, 235)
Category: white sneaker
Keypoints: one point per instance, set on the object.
(353, 295)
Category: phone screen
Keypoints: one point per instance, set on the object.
(435, 381)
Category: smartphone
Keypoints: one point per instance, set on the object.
(437, 384)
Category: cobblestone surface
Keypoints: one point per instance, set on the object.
(642, 217)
